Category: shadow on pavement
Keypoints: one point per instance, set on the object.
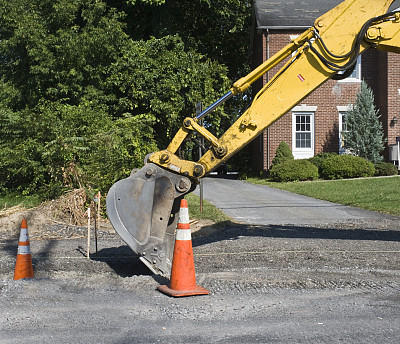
(209, 234)
(127, 264)
(122, 260)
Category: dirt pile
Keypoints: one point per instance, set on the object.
(65, 217)
(67, 210)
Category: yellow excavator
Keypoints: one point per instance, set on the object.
(143, 208)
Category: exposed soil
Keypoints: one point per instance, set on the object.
(61, 218)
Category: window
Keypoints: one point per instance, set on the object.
(303, 132)
(355, 76)
(342, 128)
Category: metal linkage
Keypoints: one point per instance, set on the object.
(213, 106)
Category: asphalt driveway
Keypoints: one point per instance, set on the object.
(262, 205)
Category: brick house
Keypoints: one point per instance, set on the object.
(320, 117)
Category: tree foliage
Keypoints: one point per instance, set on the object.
(161, 79)
(364, 136)
(89, 87)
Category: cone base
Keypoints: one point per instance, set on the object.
(180, 293)
(23, 267)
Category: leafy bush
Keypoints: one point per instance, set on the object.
(385, 169)
(346, 166)
(116, 151)
(60, 146)
(85, 96)
(319, 158)
(294, 170)
(283, 153)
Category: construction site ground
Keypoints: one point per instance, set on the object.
(319, 283)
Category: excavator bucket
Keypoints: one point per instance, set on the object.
(143, 209)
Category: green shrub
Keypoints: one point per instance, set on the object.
(319, 158)
(385, 169)
(283, 153)
(346, 166)
(294, 170)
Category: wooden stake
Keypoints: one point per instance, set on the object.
(88, 233)
(98, 215)
(98, 209)
(95, 226)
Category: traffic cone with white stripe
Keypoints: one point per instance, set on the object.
(23, 265)
(183, 277)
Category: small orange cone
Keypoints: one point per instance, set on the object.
(183, 279)
(23, 265)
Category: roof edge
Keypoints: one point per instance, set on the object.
(282, 27)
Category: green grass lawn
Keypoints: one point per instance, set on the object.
(12, 200)
(209, 211)
(379, 194)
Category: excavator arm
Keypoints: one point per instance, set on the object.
(143, 208)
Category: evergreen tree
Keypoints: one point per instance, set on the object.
(283, 153)
(364, 136)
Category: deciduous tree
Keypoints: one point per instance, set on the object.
(80, 79)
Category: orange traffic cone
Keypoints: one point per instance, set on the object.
(23, 265)
(183, 279)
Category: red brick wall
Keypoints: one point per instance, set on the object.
(393, 96)
(327, 98)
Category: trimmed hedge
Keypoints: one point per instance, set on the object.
(346, 166)
(319, 158)
(386, 169)
(294, 170)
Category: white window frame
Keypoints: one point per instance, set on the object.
(343, 110)
(305, 152)
(356, 75)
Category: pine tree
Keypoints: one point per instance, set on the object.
(283, 153)
(364, 136)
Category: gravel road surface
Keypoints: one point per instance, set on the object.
(318, 282)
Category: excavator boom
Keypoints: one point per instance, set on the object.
(143, 207)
